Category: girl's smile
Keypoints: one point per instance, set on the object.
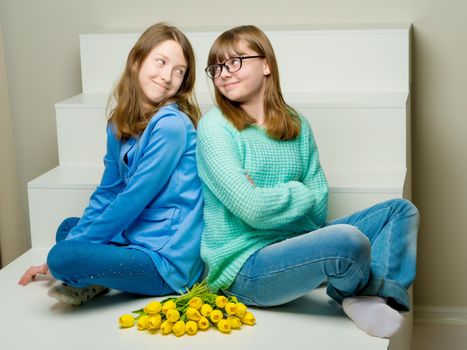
(161, 86)
(230, 84)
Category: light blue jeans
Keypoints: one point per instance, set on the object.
(81, 264)
(371, 252)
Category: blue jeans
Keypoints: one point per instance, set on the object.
(371, 252)
(81, 264)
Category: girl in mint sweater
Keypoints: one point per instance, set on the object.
(266, 239)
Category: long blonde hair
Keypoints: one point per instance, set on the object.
(281, 121)
(128, 115)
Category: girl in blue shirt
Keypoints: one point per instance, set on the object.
(141, 231)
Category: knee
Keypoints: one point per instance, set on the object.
(404, 207)
(410, 210)
(61, 259)
(350, 259)
(352, 240)
(408, 213)
(65, 227)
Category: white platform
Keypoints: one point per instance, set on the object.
(32, 320)
(351, 189)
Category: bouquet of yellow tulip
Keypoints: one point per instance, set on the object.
(197, 309)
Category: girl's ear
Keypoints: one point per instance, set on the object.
(266, 69)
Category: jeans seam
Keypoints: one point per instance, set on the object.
(388, 251)
(253, 257)
(304, 264)
(368, 218)
(107, 277)
(396, 210)
(397, 213)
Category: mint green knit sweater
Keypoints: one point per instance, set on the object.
(289, 195)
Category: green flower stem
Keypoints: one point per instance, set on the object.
(200, 290)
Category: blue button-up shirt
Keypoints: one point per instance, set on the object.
(150, 198)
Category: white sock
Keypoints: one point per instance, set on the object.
(74, 295)
(373, 316)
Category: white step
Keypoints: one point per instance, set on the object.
(348, 58)
(81, 125)
(67, 189)
(355, 129)
(81, 129)
(60, 193)
(45, 324)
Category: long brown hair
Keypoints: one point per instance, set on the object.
(280, 120)
(128, 115)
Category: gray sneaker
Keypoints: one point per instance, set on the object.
(74, 295)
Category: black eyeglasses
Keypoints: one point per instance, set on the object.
(232, 65)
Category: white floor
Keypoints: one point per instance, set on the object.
(32, 320)
(439, 337)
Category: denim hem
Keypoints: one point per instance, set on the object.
(382, 288)
(388, 289)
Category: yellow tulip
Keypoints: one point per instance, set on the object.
(195, 303)
(241, 310)
(126, 321)
(191, 327)
(248, 319)
(188, 314)
(203, 323)
(166, 327)
(206, 310)
(221, 301)
(154, 322)
(168, 305)
(179, 328)
(173, 315)
(231, 308)
(216, 316)
(153, 308)
(193, 314)
(224, 326)
(234, 322)
(142, 322)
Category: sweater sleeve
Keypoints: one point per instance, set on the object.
(166, 145)
(220, 168)
(315, 180)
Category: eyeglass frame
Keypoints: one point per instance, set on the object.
(223, 64)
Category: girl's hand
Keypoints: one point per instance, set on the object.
(31, 273)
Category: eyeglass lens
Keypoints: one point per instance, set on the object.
(232, 65)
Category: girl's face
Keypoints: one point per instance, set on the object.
(247, 85)
(161, 73)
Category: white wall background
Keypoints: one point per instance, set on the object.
(41, 50)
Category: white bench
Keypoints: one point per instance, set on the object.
(353, 86)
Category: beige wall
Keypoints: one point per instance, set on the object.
(42, 58)
(13, 238)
